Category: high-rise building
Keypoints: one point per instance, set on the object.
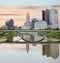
(45, 16)
(10, 24)
(27, 23)
(34, 20)
(53, 16)
(27, 17)
(27, 20)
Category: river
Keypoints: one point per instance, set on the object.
(29, 53)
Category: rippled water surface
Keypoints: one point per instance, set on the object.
(29, 53)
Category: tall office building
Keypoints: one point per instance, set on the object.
(10, 24)
(45, 16)
(27, 17)
(27, 23)
(34, 20)
(53, 16)
(27, 20)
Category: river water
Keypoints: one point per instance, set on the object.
(29, 53)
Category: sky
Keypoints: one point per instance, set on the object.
(17, 9)
(18, 3)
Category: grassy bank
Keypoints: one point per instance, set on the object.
(42, 33)
(5, 35)
(52, 34)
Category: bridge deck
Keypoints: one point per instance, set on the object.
(29, 30)
(50, 42)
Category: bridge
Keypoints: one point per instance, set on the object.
(29, 31)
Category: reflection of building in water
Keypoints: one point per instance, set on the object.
(28, 37)
(46, 50)
(32, 37)
(27, 47)
(51, 50)
(34, 44)
(54, 50)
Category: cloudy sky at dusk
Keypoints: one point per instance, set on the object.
(17, 9)
(17, 3)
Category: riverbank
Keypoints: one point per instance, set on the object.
(50, 35)
(54, 35)
(3, 39)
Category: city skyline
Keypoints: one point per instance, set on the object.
(17, 10)
(19, 14)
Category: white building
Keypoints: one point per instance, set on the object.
(53, 26)
(27, 23)
(40, 25)
(59, 26)
(53, 16)
(26, 27)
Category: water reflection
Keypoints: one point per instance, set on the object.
(51, 50)
(41, 53)
(27, 47)
(32, 37)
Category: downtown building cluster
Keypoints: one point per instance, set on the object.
(9, 24)
(49, 20)
(34, 23)
(51, 17)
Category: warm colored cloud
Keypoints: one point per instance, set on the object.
(19, 14)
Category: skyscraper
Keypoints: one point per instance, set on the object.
(45, 16)
(53, 16)
(27, 23)
(27, 20)
(34, 20)
(10, 24)
(27, 17)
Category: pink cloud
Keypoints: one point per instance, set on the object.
(19, 14)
